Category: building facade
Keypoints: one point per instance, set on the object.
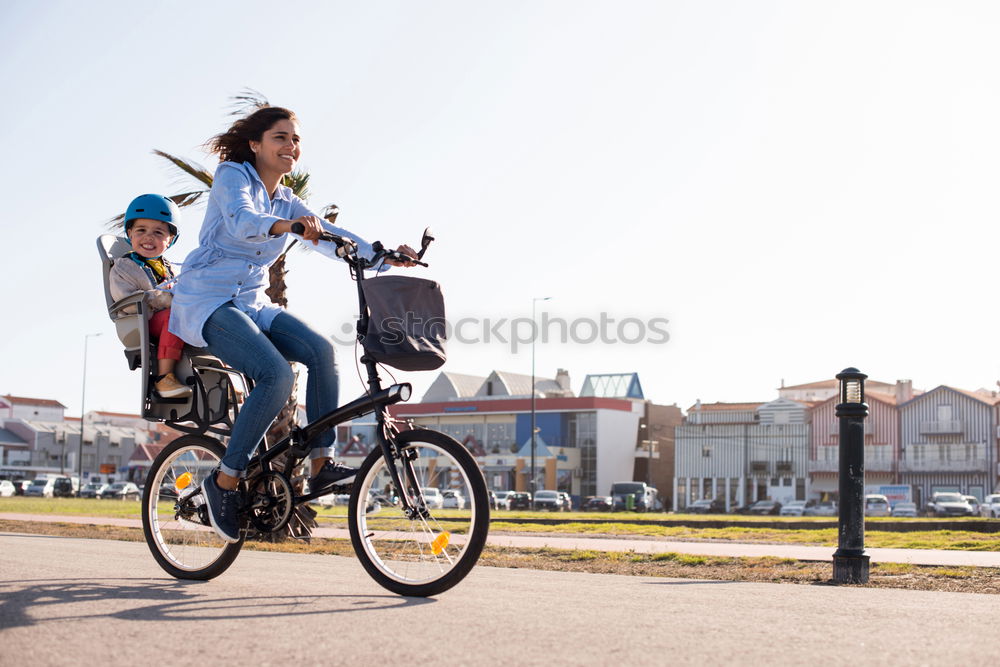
(743, 452)
(948, 439)
(583, 443)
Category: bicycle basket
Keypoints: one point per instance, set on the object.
(406, 325)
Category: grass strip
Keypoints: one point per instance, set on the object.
(669, 565)
(337, 517)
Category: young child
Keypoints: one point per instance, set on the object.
(150, 225)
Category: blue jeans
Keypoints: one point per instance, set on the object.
(233, 337)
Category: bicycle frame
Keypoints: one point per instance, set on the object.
(376, 400)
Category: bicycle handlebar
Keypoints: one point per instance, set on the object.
(348, 249)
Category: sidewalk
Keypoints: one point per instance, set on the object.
(649, 545)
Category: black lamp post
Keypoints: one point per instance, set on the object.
(850, 563)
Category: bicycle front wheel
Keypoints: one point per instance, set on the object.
(174, 521)
(426, 553)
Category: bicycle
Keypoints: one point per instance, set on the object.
(405, 545)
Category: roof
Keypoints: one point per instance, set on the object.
(878, 396)
(718, 407)
(830, 384)
(40, 402)
(982, 398)
(987, 397)
(541, 449)
(612, 385)
(518, 385)
(117, 414)
(464, 385)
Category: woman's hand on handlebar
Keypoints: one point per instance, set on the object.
(312, 228)
(405, 251)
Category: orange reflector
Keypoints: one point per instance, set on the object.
(439, 543)
(183, 481)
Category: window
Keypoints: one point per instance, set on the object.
(944, 413)
(706, 451)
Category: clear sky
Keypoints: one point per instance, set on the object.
(796, 186)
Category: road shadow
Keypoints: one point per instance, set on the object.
(165, 599)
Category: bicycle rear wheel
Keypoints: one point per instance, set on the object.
(174, 522)
(421, 555)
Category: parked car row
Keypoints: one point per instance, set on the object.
(546, 499)
(63, 486)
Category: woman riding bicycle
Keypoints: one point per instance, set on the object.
(219, 302)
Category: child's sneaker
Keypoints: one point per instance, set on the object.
(169, 387)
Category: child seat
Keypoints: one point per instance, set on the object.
(214, 401)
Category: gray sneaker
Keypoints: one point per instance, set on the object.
(223, 507)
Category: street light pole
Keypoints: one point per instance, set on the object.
(850, 562)
(534, 335)
(83, 411)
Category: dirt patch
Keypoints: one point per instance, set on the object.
(673, 565)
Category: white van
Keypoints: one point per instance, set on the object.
(636, 496)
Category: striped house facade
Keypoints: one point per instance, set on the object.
(881, 443)
(948, 443)
(742, 452)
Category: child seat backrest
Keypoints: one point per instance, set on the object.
(131, 327)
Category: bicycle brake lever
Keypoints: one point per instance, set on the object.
(400, 257)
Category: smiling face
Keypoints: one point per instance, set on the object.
(279, 147)
(149, 237)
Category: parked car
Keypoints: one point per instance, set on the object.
(520, 500)
(65, 487)
(597, 504)
(433, 497)
(453, 500)
(636, 496)
(121, 491)
(94, 489)
(41, 487)
(567, 501)
(825, 508)
(876, 505)
(796, 507)
(904, 509)
(973, 503)
(6, 488)
(707, 505)
(502, 501)
(21, 486)
(765, 507)
(547, 499)
(990, 507)
(948, 504)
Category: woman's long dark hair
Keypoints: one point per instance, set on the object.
(233, 145)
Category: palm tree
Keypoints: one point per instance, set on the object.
(303, 519)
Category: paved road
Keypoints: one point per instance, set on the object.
(639, 545)
(73, 601)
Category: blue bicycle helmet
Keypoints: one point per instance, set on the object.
(154, 207)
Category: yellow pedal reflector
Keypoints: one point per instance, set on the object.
(440, 542)
(183, 481)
